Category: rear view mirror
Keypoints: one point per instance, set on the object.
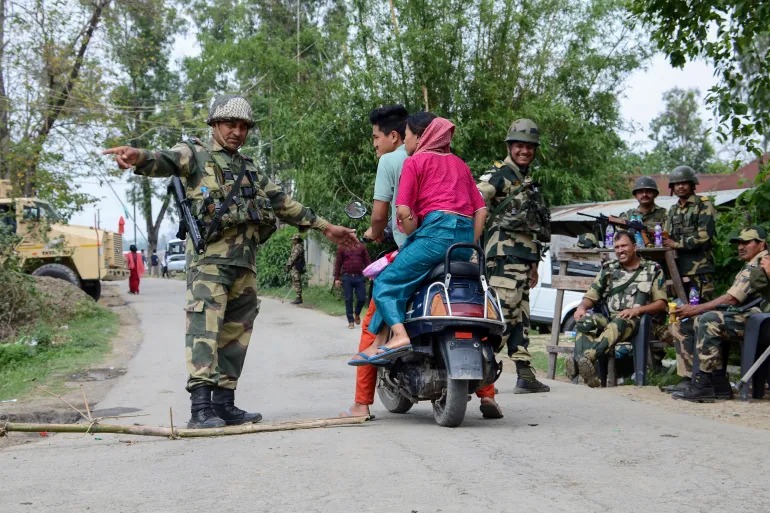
(356, 210)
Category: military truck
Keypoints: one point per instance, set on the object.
(80, 255)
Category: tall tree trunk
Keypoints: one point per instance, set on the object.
(59, 97)
(5, 137)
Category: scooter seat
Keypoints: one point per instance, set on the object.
(456, 268)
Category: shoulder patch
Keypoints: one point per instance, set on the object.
(498, 164)
(704, 199)
(485, 177)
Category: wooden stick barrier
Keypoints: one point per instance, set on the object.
(174, 432)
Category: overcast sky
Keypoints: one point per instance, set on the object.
(642, 102)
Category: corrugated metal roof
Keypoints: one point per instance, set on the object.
(566, 221)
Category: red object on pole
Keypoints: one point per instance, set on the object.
(121, 225)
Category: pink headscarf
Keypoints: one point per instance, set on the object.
(436, 137)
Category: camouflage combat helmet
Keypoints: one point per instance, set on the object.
(523, 130)
(682, 174)
(645, 182)
(230, 106)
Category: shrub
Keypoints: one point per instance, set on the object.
(272, 258)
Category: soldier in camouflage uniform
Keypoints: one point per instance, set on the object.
(296, 267)
(628, 287)
(222, 298)
(518, 229)
(691, 227)
(715, 329)
(645, 191)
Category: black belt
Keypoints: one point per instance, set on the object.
(346, 274)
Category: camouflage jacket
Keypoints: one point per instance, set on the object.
(621, 289)
(760, 282)
(656, 216)
(748, 285)
(237, 241)
(692, 228)
(524, 225)
(297, 257)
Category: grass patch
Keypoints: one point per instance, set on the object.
(540, 363)
(51, 352)
(314, 296)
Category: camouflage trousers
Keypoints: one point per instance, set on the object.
(714, 331)
(221, 307)
(683, 332)
(296, 282)
(510, 278)
(612, 331)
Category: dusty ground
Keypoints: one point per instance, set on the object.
(38, 406)
(753, 413)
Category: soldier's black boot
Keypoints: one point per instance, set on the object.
(223, 400)
(722, 388)
(527, 383)
(701, 390)
(297, 301)
(679, 387)
(203, 415)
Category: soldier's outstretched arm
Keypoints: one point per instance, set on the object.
(173, 162)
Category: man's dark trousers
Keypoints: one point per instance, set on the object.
(351, 283)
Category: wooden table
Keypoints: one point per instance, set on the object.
(562, 282)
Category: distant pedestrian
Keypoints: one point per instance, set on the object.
(144, 259)
(348, 273)
(155, 269)
(164, 265)
(135, 269)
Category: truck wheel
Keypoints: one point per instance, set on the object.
(93, 288)
(59, 271)
(449, 411)
(391, 399)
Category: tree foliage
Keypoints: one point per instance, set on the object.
(731, 35)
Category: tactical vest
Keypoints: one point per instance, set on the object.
(626, 291)
(526, 212)
(218, 174)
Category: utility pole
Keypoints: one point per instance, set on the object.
(298, 76)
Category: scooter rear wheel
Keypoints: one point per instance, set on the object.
(449, 411)
(390, 398)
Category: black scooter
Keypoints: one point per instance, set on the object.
(455, 324)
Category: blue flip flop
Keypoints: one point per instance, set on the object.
(389, 354)
(358, 363)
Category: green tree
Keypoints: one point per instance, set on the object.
(732, 36)
(680, 136)
(47, 91)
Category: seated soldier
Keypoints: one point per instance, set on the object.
(713, 329)
(628, 287)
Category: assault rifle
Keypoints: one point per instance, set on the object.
(187, 224)
(631, 226)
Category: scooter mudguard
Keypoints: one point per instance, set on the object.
(462, 356)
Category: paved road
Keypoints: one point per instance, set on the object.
(572, 450)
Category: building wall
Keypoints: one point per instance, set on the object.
(321, 262)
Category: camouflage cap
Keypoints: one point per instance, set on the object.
(523, 130)
(229, 106)
(296, 236)
(587, 241)
(751, 233)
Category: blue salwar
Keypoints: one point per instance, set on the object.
(423, 250)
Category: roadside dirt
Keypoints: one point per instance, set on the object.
(37, 406)
(753, 413)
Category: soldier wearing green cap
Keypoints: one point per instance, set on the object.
(715, 327)
(222, 298)
(645, 191)
(518, 229)
(690, 229)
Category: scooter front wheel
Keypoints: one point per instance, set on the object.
(449, 411)
(390, 398)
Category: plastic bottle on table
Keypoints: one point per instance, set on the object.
(694, 297)
(609, 236)
(658, 235)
